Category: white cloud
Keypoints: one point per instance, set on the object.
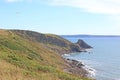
(117, 20)
(11, 1)
(93, 6)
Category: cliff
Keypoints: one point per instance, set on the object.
(28, 55)
(83, 44)
(54, 42)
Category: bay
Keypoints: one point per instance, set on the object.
(104, 59)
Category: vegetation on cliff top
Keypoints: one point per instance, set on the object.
(25, 55)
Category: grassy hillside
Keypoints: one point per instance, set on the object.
(25, 56)
(54, 42)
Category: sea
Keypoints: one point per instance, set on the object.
(103, 61)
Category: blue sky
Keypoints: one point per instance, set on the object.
(97, 17)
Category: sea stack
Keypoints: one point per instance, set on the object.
(83, 44)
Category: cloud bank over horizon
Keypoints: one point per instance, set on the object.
(111, 7)
(99, 15)
(92, 6)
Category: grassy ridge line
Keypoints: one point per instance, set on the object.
(56, 43)
(24, 59)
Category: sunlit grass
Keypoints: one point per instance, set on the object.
(22, 59)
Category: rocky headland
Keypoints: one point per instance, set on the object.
(38, 53)
(60, 46)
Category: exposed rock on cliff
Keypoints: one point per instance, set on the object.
(54, 42)
(83, 44)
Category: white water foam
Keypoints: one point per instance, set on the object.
(117, 79)
(65, 55)
(91, 71)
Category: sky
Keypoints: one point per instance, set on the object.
(70, 17)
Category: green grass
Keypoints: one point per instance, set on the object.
(23, 59)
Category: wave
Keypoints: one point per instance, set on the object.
(91, 71)
(117, 79)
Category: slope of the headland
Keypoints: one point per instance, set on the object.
(28, 55)
(54, 42)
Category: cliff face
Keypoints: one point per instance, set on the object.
(83, 44)
(54, 42)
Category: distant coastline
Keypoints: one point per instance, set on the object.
(90, 36)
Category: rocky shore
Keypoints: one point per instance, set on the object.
(78, 68)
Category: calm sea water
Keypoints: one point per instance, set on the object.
(104, 58)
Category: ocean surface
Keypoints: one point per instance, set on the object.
(103, 60)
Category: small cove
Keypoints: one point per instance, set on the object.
(104, 58)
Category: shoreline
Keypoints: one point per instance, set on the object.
(76, 67)
(84, 69)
